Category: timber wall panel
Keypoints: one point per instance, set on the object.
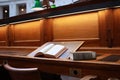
(109, 25)
(116, 28)
(3, 35)
(28, 33)
(96, 28)
(77, 27)
(48, 30)
(102, 28)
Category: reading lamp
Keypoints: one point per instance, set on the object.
(37, 6)
(53, 6)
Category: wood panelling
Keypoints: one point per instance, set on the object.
(77, 27)
(3, 35)
(28, 33)
(48, 30)
(81, 26)
(116, 29)
(109, 29)
(110, 25)
(102, 28)
(96, 28)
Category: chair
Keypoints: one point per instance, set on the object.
(23, 73)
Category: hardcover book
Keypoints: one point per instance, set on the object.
(51, 51)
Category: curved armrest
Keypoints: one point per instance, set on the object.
(89, 77)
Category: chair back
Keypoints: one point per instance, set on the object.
(23, 73)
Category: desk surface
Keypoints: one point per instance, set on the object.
(24, 51)
(66, 66)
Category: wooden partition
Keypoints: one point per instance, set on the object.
(77, 27)
(27, 33)
(109, 27)
(116, 29)
(4, 35)
(97, 28)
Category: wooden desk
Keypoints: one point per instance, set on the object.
(102, 69)
(15, 51)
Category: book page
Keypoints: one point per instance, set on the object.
(55, 49)
(46, 48)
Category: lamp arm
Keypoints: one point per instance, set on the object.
(47, 4)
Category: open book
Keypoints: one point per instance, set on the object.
(51, 50)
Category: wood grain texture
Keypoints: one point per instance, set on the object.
(3, 35)
(102, 69)
(116, 29)
(102, 28)
(97, 28)
(27, 33)
(48, 30)
(110, 26)
(78, 27)
(17, 57)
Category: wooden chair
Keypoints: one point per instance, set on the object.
(23, 73)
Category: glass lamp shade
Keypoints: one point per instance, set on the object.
(53, 6)
(37, 6)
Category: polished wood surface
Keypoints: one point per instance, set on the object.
(103, 69)
(102, 50)
(26, 33)
(13, 50)
(116, 28)
(4, 35)
(96, 28)
(76, 24)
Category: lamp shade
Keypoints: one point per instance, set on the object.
(53, 6)
(37, 5)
